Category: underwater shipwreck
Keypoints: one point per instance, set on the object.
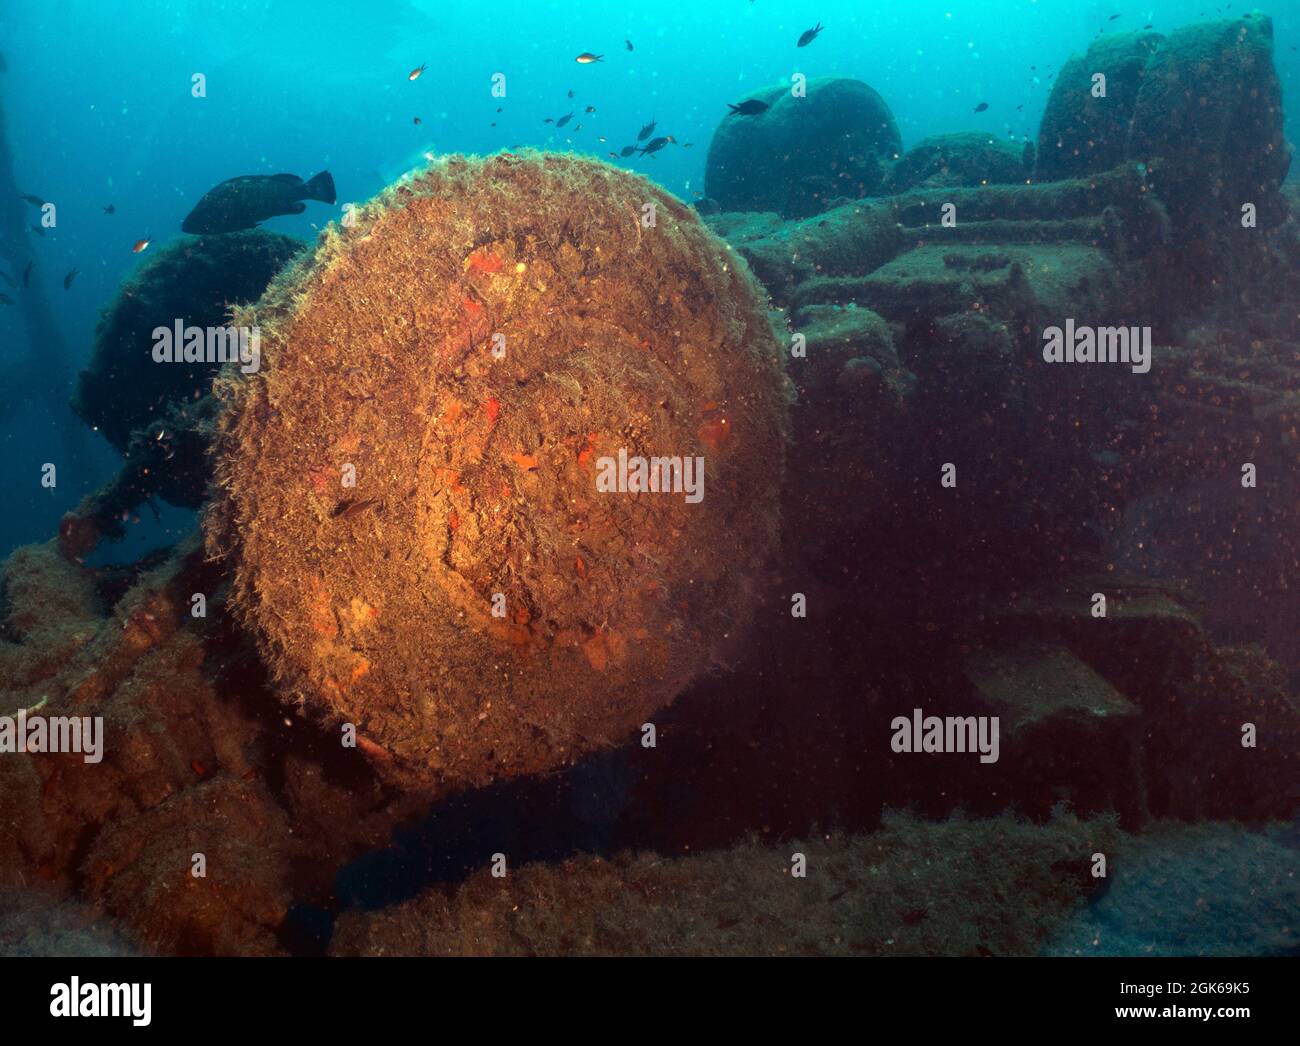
(441, 672)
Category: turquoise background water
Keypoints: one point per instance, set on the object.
(98, 97)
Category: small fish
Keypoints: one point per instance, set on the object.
(809, 35)
(67, 280)
(140, 245)
(753, 107)
(627, 150)
(415, 74)
(602, 139)
(612, 156)
(110, 209)
(629, 44)
(647, 131)
(35, 201)
(349, 507)
(688, 145)
(981, 107)
(549, 119)
(586, 58)
(589, 109)
(416, 121)
(570, 94)
(564, 119)
(1112, 18)
(655, 144)
(27, 272)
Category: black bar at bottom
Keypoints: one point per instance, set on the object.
(366, 996)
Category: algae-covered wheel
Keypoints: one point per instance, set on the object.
(432, 491)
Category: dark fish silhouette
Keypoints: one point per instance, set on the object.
(349, 507)
(809, 35)
(564, 119)
(647, 130)
(753, 107)
(27, 272)
(981, 107)
(629, 44)
(655, 144)
(627, 150)
(241, 203)
(67, 280)
(110, 209)
(35, 201)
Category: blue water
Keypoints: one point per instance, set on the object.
(100, 110)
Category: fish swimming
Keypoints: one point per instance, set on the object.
(241, 203)
(753, 107)
(647, 131)
(415, 74)
(586, 58)
(140, 245)
(655, 144)
(35, 201)
(564, 119)
(27, 272)
(809, 35)
(67, 280)
(110, 209)
(629, 44)
(981, 107)
(627, 150)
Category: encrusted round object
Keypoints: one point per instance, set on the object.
(510, 468)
